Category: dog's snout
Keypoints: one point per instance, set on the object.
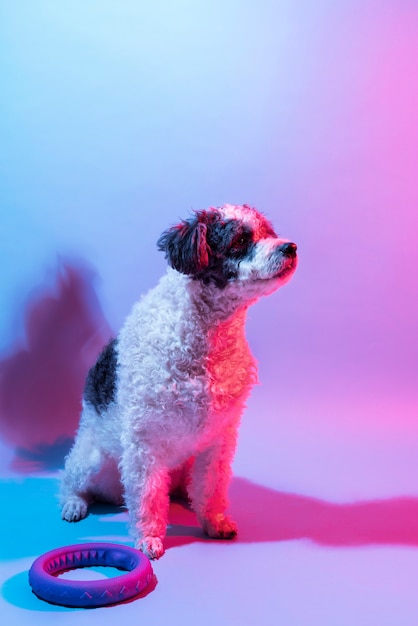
(289, 249)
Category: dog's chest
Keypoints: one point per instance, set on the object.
(230, 366)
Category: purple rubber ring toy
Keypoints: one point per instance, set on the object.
(82, 593)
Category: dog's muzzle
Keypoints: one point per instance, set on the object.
(284, 260)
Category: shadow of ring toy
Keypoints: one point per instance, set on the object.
(93, 593)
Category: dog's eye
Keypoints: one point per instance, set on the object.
(240, 242)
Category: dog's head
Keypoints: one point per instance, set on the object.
(230, 246)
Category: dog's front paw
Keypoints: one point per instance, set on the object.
(220, 527)
(74, 509)
(152, 547)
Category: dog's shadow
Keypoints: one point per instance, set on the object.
(266, 515)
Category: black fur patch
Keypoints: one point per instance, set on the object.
(100, 387)
(229, 242)
(185, 244)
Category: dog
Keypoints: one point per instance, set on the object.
(162, 404)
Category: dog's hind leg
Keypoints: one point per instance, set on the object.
(82, 466)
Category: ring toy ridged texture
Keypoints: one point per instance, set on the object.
(80, 593)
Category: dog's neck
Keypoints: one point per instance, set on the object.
(214, 304)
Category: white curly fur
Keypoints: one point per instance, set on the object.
(184, 372)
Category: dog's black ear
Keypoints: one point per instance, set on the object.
(185, 245)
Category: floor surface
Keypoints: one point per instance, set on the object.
(328, 536)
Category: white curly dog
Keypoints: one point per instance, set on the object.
(162, 405)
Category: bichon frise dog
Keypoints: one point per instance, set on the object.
(162, 405)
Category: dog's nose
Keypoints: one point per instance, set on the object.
(289, 249)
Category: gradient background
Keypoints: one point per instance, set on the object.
(116, 120)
